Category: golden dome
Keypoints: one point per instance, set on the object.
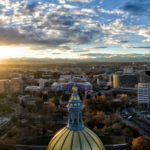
(67, 139)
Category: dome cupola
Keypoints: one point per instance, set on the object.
(75, 121)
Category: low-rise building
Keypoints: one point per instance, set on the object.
(26, 99)
(4, 85)
(33, 88)
(16, 85)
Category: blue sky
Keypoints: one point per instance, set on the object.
(75, 29)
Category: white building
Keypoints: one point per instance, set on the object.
(128, 70)
(144, 93)
(98, 81)
(42, 82)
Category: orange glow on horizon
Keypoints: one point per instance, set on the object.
(12, 52)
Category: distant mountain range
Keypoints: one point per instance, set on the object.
(99, 58)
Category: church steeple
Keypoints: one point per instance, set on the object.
(75, 106)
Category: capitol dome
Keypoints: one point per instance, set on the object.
(75, 136)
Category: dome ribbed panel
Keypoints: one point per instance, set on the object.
(67, 139)
(76, 141)
(56, 139)
(67, 142)
(96, 138)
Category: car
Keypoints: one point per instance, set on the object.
(130, 117)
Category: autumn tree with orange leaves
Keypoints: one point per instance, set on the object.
(140, 143)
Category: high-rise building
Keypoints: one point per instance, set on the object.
(144, 93)
(115, 80)
(125, 80)
(75, 136)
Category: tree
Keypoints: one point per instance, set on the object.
(95, 129)
(115, 118)
(6, 145)
(100, 116)
(116, 127)
(128, 134)
(107, 130)
(23, 104)
(87, 103)
(51, 107)
(139, 143)
(3, 95)
(124, 99)
(90, 123)
(39, 103)
(103, 103)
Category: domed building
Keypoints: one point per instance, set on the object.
(75, 136)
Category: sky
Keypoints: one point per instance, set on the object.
(75, 29)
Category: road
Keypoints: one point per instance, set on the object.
(144, 127)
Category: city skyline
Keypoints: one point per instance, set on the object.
(75, 29)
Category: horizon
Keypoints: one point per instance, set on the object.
(46, 60)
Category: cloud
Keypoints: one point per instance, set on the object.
(62, 1)
(45, 25)
(115, 27)
(146, 33)
(93, 48)
(139, 47)
(118, 31)
(89, 11)
(98, 47)
(11, 36)
(81, 1)
(115, 11)
(112, 40)
(114, 32)
(138, 7)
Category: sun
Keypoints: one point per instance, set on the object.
(26, 52)
(12, 52)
